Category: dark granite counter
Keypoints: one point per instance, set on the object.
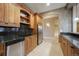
(10, 39)
(72, 38)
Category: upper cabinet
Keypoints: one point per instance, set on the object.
(12, 15)
(38, 18)
(32, 21)
(9, 15)
(17, 16)
(1, 13)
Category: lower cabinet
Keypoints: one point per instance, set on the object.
(68, 49)
(30, 43)
(64, 47)
(2, 49)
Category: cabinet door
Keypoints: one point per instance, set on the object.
(38, 19)
(2, 49)
(34, 41)
(70, 49)
(28, 45)
(65, 47)
(1, 12)
(17, 16)
(9, 14)
(75, 52)
(32, 20)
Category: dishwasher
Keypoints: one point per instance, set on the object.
(16, 49)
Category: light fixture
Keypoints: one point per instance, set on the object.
(47, 4)
(47, 24)
(76, 18)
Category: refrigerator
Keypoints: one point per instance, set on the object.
(39, 33)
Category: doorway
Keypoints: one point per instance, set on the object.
(51, 28)
(50, 45)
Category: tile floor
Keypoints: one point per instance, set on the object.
(49, 47)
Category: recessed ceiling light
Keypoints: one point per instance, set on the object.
(48, 4)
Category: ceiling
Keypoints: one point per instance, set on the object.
(42, 7)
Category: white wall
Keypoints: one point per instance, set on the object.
(49, 30)
(64, 18)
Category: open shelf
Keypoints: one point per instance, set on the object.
(25, 23)
(25, 17)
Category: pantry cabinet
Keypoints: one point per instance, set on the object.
(9, 15)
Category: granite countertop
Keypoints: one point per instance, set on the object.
(72, 38)
(10, 39)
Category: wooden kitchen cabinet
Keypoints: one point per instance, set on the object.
(8, 15)
(34, 41)
(2, 49)
(68, 48)
(60, 40)
(30, 43)
(64, 46)
(16, 16)
(37, 20)
(1, 13)
(32, 20)
(27, 45)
